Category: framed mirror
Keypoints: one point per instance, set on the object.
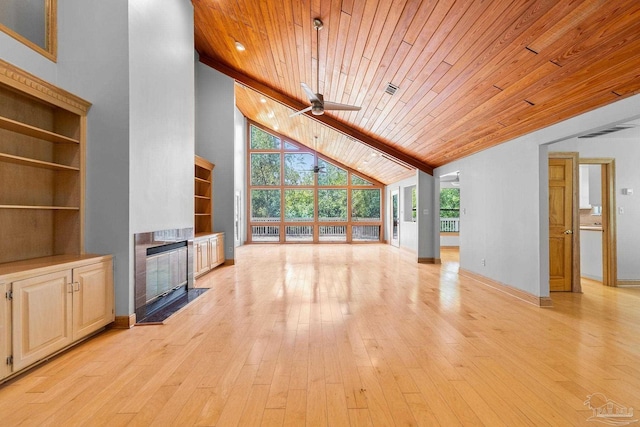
(32, 22)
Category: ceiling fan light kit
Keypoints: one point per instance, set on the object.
(318, 104)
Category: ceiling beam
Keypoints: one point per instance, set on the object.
(335, 124)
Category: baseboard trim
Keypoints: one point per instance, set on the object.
(124, 322)
(449, 247)
(429, 261)
(509, 290)
(229, 261)
(628, 283)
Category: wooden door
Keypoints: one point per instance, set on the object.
(41, 317)
(92, 298)
(560, 224)
(5, 331)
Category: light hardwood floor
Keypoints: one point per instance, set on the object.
(346, 335)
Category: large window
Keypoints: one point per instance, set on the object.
(298, 196)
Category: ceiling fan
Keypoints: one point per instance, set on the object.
(318, 104)
(316, 168)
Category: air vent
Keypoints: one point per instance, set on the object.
(391, 89)
(606, 131)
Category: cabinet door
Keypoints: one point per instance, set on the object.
(202, 257)
(41, 315)
(5, 331)
(92, 298)
(221, 249)
(213, 251)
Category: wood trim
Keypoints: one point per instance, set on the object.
(609, 227)
(575, 261)
(429, 261)
(509, 290)
(230, 261)
(628, 283)
(449, 247)
(51, 33)
(124, 322)
(28, 83)
(335, 124)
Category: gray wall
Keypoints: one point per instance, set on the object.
(142, 113)
(416, 236)
(504, 202)
(215, 139)
(624, 147)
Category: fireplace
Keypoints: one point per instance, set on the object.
(163, 270)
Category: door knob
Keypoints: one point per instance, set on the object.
(568, 232)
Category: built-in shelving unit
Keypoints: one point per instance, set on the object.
(203, 205)
(56, 294)
(41, 168)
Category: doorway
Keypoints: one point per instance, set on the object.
(564, 221)
(606, 211)
(395, 216)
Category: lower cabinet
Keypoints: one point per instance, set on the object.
(5, 331)
(54, 307)
(209, 250)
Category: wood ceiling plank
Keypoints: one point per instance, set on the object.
(380, 38)
(362, 31)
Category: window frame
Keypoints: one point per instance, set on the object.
(289, 146)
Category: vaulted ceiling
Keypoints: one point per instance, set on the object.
(470, 73)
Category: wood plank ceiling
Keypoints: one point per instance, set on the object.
(471, 73)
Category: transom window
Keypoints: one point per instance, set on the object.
(297, 195)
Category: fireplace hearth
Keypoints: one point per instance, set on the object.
(163, 272)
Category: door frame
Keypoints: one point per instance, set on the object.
(396, 192)
(609, 230)
(575, 214)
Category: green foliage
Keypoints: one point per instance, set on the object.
(333, 175)
(414, 205)
(262, 140)
(356, 180)
(265, 169)
(332, 204)
(298, 204)
(365, 204)
(298, 169)
(449, 202)
(265, 204)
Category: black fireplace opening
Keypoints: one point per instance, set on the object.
(163, 273)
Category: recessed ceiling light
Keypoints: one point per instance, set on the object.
(263, 100)
(276, 127)
(239, 47)
(270, 114)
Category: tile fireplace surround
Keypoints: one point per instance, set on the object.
(161, 254)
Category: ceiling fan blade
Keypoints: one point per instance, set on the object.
(328, 105)
(301, 111)
(312, 96)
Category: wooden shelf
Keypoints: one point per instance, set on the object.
(9, 158)
(49, 208)
(35, 132)
(203, 176)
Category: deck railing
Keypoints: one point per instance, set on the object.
(449, 225)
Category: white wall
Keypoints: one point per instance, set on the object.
(240, 174)
(624, 147)
(162, 114)
(408, 230)
(215, 141)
